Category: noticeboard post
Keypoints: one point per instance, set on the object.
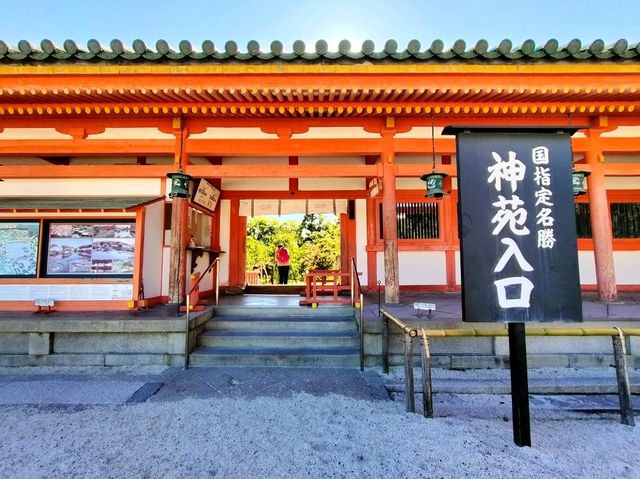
(518, 247)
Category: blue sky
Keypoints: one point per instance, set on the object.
(311, 20)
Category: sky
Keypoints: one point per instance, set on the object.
(312, 20)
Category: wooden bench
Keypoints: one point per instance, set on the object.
(324, 286)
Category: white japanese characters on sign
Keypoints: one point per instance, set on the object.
(510, 218)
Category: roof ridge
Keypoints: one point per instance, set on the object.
(528, 51)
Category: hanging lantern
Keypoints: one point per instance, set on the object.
(434, 180)
(435, 184)
(179, 185)
(577, 181)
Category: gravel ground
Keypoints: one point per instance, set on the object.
(303, 435)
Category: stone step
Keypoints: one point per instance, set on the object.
(284, 312)
(228, 323)
(279, 339)
(286, 357)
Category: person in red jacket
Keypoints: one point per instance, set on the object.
(283, 261)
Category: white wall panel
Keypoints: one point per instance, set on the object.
(418, 267)
(225, 240)
(328, 184)
(152, 263)
(627, 266)
(82, 187)
(361, 240)
(587, 265)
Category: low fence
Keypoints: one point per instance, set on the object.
(410, 334)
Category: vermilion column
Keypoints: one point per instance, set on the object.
(179, 223)
(600, 221)
(389, 220)
(178, 255)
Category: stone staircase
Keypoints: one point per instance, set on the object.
(279, 336)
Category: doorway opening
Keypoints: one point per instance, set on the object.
(312, 240)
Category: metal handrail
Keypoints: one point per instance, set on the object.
(617, 334)
(216, 263)
(355, 278)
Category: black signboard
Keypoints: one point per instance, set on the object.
(517, 226)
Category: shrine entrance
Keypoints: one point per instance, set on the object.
(318, 234)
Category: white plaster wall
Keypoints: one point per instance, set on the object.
(166, 258)
(22, 161)
(587, 265)
(411, 184)
(132, 133)
(458, 268)
(418, 267)
(361, 240)
(152, 263)
(623, 131)
(622, 158)
(627, 266)
(424, 132)
(311, 184)
(253, 184)
(81, 187)
(233, 133)
(255, 160)
(32, 134)
(103, 160)
(331, 160)
(225, 240)
(622, 182)
(333, 132)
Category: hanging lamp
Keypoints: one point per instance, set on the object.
(577, 181)
(434, 180)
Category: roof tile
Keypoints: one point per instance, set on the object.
(71, 52)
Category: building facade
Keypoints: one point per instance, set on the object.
(91, 139)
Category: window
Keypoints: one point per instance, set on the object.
(416, 220)
(583, 220)
(90, 249)
(19, 248)
(625, 220)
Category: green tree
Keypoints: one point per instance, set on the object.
(313, 243)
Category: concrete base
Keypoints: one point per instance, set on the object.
(86, 341)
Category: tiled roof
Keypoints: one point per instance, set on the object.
(459, 52)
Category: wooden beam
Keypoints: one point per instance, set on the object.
(86, 171)
(118, 148)
(284, 147)
(278, 171)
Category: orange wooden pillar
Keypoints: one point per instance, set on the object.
(179, 224)
(178, 249)
(237, 245)
(389, 218)
(600, 220)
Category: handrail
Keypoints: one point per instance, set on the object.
(215, 262)
(354, 274)
(616, 333)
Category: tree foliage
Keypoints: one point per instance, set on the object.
(313, 243)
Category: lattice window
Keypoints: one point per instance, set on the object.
(625, 220)
(416, 220)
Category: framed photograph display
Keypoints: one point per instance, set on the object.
(90, 249)
(19, 242)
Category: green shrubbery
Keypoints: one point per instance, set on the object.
(313, 243)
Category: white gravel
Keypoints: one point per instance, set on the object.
(310, 437)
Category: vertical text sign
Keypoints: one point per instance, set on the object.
(517, 226)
